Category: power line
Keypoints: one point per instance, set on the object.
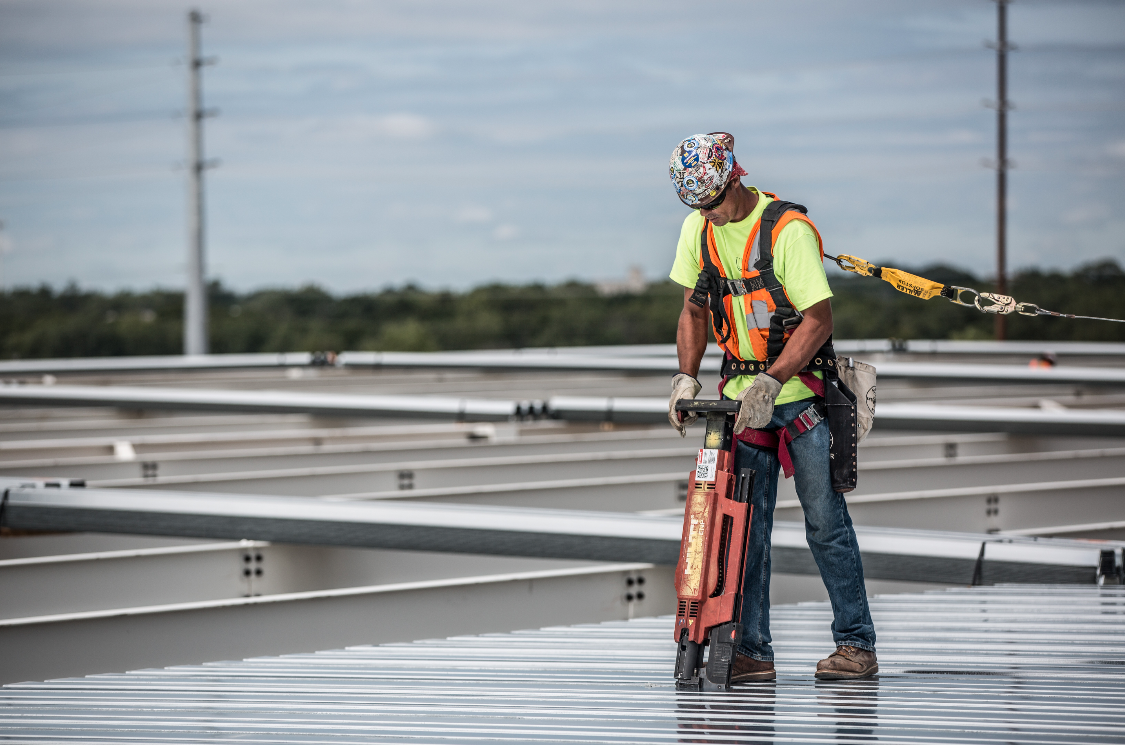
(13, 72)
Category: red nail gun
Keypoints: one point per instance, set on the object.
(712, 555)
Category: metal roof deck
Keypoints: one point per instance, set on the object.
(1018, 663)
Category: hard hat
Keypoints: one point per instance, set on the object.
(701, 166)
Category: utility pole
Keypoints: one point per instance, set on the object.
(196, 337)
(1002, 105)
(5, 248)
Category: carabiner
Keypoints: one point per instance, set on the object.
(1002, 304)
(855, 264)
(957, 296)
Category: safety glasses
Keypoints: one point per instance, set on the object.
(718, 200)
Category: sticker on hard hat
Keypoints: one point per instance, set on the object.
(705, 465)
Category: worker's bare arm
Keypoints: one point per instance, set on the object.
(691, 336)
(809, 336)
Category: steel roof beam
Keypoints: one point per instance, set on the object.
(1095, 423)
(548, 533)
(665, 365)
(612, 359)
(157, 363)
(156, 635)
(275, 402)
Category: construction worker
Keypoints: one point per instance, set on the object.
(784, 330)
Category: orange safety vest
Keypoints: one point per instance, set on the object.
(755, 292)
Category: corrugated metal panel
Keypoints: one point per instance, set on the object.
(1032, 664)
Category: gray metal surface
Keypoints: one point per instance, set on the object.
(280, 402)
(86, 642)
(181, 363)
(83, 365)
(963, 372)
(1017, 664)
(105, 580)
(561, 534)
(1076, 348)
(43, 585)
(888, 416)
(1099, 422)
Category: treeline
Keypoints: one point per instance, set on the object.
(42, 322)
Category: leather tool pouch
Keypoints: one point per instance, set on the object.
(843, 426)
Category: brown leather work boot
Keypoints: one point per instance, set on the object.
(748, 670)
(847, 663)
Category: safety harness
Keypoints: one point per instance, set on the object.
(764, 300)
(762, 296)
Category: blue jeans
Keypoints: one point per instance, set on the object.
(828, 529)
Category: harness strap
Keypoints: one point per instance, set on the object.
(785, 317)
(779, 439)
(711, 289)
(812, 382)
(740, 287)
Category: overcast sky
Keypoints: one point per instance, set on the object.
(366, 144)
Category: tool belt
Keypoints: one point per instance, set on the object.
(823, 360)
(837, 404)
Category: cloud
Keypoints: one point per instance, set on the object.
(506, 232)
(1089, 212)
(406, 126)
(473, 214)
(361, 129)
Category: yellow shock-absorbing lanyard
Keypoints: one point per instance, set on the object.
(920, 287)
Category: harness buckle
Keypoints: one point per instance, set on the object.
(810, 417)
(737, 287)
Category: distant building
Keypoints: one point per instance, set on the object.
(633, 284)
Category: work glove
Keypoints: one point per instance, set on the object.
(757, 403)
(683, 386)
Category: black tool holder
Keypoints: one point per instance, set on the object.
(692, 673)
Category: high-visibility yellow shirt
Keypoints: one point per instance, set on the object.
(796, 262)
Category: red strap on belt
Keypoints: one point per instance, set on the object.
(780, 439)
(773, 441)
(814, 384)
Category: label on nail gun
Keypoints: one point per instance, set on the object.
(699, 513)
(705, 465)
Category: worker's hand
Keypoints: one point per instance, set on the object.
(757, 403)
(683, 386)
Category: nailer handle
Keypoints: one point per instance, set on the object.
(704, 406)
